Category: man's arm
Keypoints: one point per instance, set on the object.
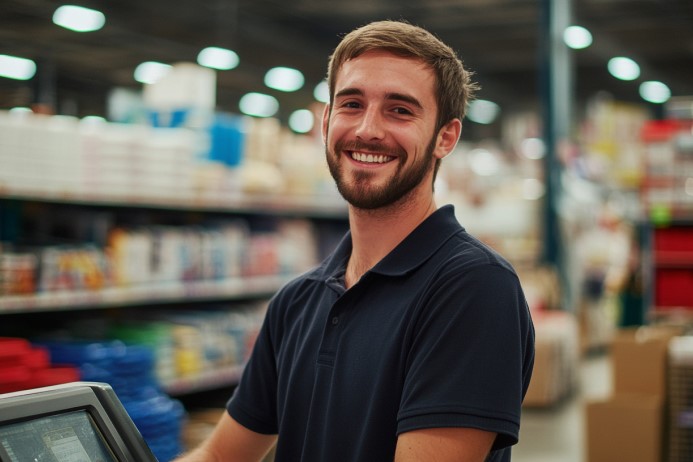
(231, 441)
(444, 444)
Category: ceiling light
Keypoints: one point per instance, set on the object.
(322, 92)
(258, 105)
(655, 92)
(284, 79)
(301, 121)
(482, 111)
(16, 68)
(577, 37)
(483, 162)
(623, 68)
(150, 71)
(533, 148)
(78, 19)
(218, 58)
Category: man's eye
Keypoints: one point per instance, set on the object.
(351, 104)
(402, 111)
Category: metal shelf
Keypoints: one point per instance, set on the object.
(315, 206)
(205, 381)
(143, 294)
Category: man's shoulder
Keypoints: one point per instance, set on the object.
(465, 252)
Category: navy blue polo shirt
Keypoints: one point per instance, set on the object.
(437, 334)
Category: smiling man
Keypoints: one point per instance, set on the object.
(412, 341)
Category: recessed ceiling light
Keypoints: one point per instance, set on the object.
(258, 105)
(623, 68)
(301, 121)
(150, 71)
(577, 37)
(655, 92)
(16, 68)
(218, 58)
(321, 92)
(78, 18)
(482, 111)
(533, 148)
(484, 162)
(284, 79)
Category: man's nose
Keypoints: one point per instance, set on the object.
(371, 126)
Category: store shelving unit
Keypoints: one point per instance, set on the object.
(149, 295)
(667, 194)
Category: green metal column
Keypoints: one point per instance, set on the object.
(557, 102)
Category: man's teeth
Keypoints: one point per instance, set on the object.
(370, 158)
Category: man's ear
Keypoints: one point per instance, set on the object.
(325, 122)
(447, 139)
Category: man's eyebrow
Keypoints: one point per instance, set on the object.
(390, 96)
(348, 92)
(404, 98)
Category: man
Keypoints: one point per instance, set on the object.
(412, 341)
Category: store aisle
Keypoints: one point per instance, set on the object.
(557, 434)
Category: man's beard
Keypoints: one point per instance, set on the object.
(360, 194)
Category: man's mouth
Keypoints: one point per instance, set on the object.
(370, 158)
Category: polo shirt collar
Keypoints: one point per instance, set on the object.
(412, 252)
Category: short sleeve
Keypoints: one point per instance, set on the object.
(470, 360)
(253, 403)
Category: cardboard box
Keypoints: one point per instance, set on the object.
(542, 389)
(555, 359)
(639, 358)
(625, 428)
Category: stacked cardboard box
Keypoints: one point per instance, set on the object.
(556, 358)
(630, 424)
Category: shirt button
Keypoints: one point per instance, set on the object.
(335, 320)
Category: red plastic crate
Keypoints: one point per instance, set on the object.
(674, 288)
(24, 366)
(675, 239)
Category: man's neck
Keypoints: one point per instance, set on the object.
(375, 233)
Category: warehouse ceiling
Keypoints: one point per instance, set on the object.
(501, 40)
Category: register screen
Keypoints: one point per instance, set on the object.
(68, 437)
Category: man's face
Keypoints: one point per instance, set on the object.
(379, 131)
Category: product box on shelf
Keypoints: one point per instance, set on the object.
(668, 160)
(626, 427)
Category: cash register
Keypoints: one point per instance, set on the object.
(74, 422)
